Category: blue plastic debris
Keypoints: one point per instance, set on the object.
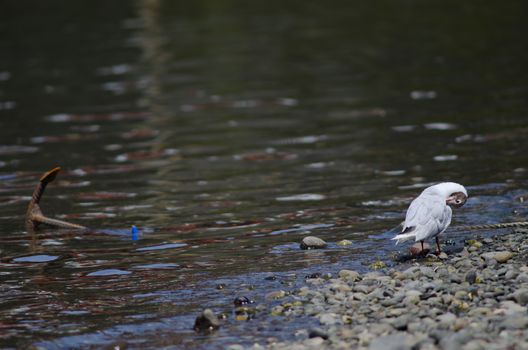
(135, 233)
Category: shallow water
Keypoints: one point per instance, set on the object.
(226, 134)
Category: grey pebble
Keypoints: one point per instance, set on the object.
(317, 332)
(396, 341)
(521, 296)
(312, 242)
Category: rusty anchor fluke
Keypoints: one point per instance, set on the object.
(34, 216)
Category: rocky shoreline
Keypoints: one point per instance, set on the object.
(474, 299)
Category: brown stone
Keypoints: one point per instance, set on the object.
(416, 249)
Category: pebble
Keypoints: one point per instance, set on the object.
(400, 323)
(349, 275)
(314, 342)
(396, 341)
(500, 257)
(239, 301)
(521, 296)
(276, 295)
(447, 320)
(235, 347)
(471, 277)
(330, 319)
(344, 242)
(317, 332)
(312, 242)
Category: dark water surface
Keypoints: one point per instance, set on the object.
(226, 133)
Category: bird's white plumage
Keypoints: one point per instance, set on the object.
(429, 215)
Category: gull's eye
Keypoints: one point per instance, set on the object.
(458, 201)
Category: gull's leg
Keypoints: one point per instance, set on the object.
(438, 250)
(422, 246)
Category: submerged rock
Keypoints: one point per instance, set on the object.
(377, 265)
(312, 242)
(239, 301)
(276, 295)
(206, 322)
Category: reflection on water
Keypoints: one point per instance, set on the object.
(226, 134)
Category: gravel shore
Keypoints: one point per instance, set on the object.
(474, 299)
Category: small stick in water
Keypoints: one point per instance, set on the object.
(34, 216)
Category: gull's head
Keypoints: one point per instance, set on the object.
(455, 194)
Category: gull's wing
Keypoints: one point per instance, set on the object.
(427, 216)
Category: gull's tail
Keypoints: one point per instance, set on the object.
(406, 235)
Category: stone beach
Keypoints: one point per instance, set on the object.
(476, 298)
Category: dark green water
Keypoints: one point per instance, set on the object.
(229, 131)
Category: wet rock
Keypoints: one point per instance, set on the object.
(244, 313)
(239, 301)
(500, 256)
(349, 275)
(344, 242)
(317, 332)
(206, 322)
(377, 265)
(313, 275)
(276, 295)
(271, 278)
(416, 249)
(277, 310)
(312, 242)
